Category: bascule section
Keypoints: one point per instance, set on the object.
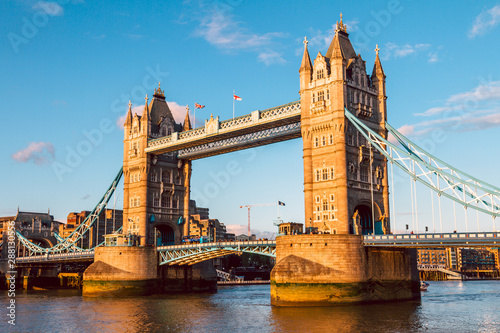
(345, 180)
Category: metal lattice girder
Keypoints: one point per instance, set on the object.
(469, 239)
(214, 131)
(264, 137)
(441, 177)
(78, 233)
(194, 253)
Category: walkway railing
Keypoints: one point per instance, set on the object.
(468, 239)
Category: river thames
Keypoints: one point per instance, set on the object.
(449, 306)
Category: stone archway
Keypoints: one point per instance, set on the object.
(363, 220)
(164, 235)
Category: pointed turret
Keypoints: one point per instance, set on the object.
(128, 120)
(378, 71)
(187, 121)
(145, 113)
(306, 60)
(305, 70)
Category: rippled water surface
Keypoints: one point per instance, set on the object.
(472, 306)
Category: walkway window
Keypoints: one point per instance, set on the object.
(331, 139)
(323, 139)
(316, 142)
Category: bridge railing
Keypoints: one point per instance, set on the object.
(442, 239)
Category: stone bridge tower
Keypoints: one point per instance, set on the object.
(156, 187)
(341, 171)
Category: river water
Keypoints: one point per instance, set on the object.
(472, 306)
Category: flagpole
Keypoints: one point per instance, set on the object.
(234, 92)
(194, 121)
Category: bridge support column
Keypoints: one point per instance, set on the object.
(319, 270)
(122, 270)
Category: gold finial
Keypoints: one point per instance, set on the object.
(187, 108)
(340, 26)
(146, 98)
(211, 116)
(159, 92)
(305, 41)
(376, 49)
(129, 105)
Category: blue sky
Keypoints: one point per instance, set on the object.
(70, 67)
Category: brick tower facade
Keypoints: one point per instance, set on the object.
(341, 171)
(156, 187)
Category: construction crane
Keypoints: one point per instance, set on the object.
(278, 203)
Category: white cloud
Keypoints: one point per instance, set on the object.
(271, 57)
(485, 22)
(37, 152)
(178, 112)
(220, 30)
(485, 91)
(473, 110)
(49, 7)
(400, 51)
(433, 57)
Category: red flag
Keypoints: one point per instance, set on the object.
(236, 98)
(198, 106)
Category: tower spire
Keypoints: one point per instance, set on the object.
(306, 59)
(187, 121)
(128, 120)
(145, 114)
(378, 71)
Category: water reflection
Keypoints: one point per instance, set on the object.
(447, 306)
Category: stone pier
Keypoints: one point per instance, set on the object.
(321, 270)
(121, 271)
(132, 270)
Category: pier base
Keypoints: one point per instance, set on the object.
(122, 271)
(320, 270)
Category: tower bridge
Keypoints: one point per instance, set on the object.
(342, 120)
